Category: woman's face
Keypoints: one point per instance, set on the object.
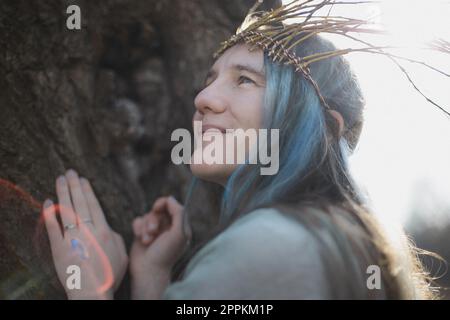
(232, 99)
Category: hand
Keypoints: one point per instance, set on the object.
(159, 241)
(86, 241)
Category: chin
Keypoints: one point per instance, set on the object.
(217, 173)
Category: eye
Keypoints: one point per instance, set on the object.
(244, 79)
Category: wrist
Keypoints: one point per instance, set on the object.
(140, 274)
(95, 296)
(149, 285)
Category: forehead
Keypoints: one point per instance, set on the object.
(240, 54)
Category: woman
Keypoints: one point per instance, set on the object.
(302, 233)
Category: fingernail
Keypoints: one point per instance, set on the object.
(151, 226)
(71, 173)
(61, 180)
(47, 203)
(145, 238)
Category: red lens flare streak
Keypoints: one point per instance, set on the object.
(84, 232)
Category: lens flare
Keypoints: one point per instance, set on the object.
(84, 250)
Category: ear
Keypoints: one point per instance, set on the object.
(339, 119)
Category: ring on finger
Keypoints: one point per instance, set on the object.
(70, 226)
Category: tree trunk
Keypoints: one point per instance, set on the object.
(102, 100)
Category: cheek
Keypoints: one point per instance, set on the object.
(248, 112)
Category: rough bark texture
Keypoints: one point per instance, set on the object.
(102, 100)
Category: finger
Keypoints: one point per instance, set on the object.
(152, 222)
(97, 215)
(137, 226)
(65, 204)
(160, 209)
(78, 199)
(53, 229)
(147, 238)
(160, 204)
(176, 211)
(149, 228)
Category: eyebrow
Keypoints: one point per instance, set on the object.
(239, 67)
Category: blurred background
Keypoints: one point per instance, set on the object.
(104, 100)
(403, 157)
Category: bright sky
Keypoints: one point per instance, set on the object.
(403, 157)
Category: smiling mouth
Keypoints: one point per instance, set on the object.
(212, 129)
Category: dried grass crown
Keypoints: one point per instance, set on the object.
(271, 32)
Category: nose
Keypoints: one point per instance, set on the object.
(211, 99)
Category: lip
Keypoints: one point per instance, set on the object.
(206, 127)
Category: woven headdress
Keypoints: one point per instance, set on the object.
(269, 31)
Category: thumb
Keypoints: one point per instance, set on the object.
(137, 226)
(176, 211)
